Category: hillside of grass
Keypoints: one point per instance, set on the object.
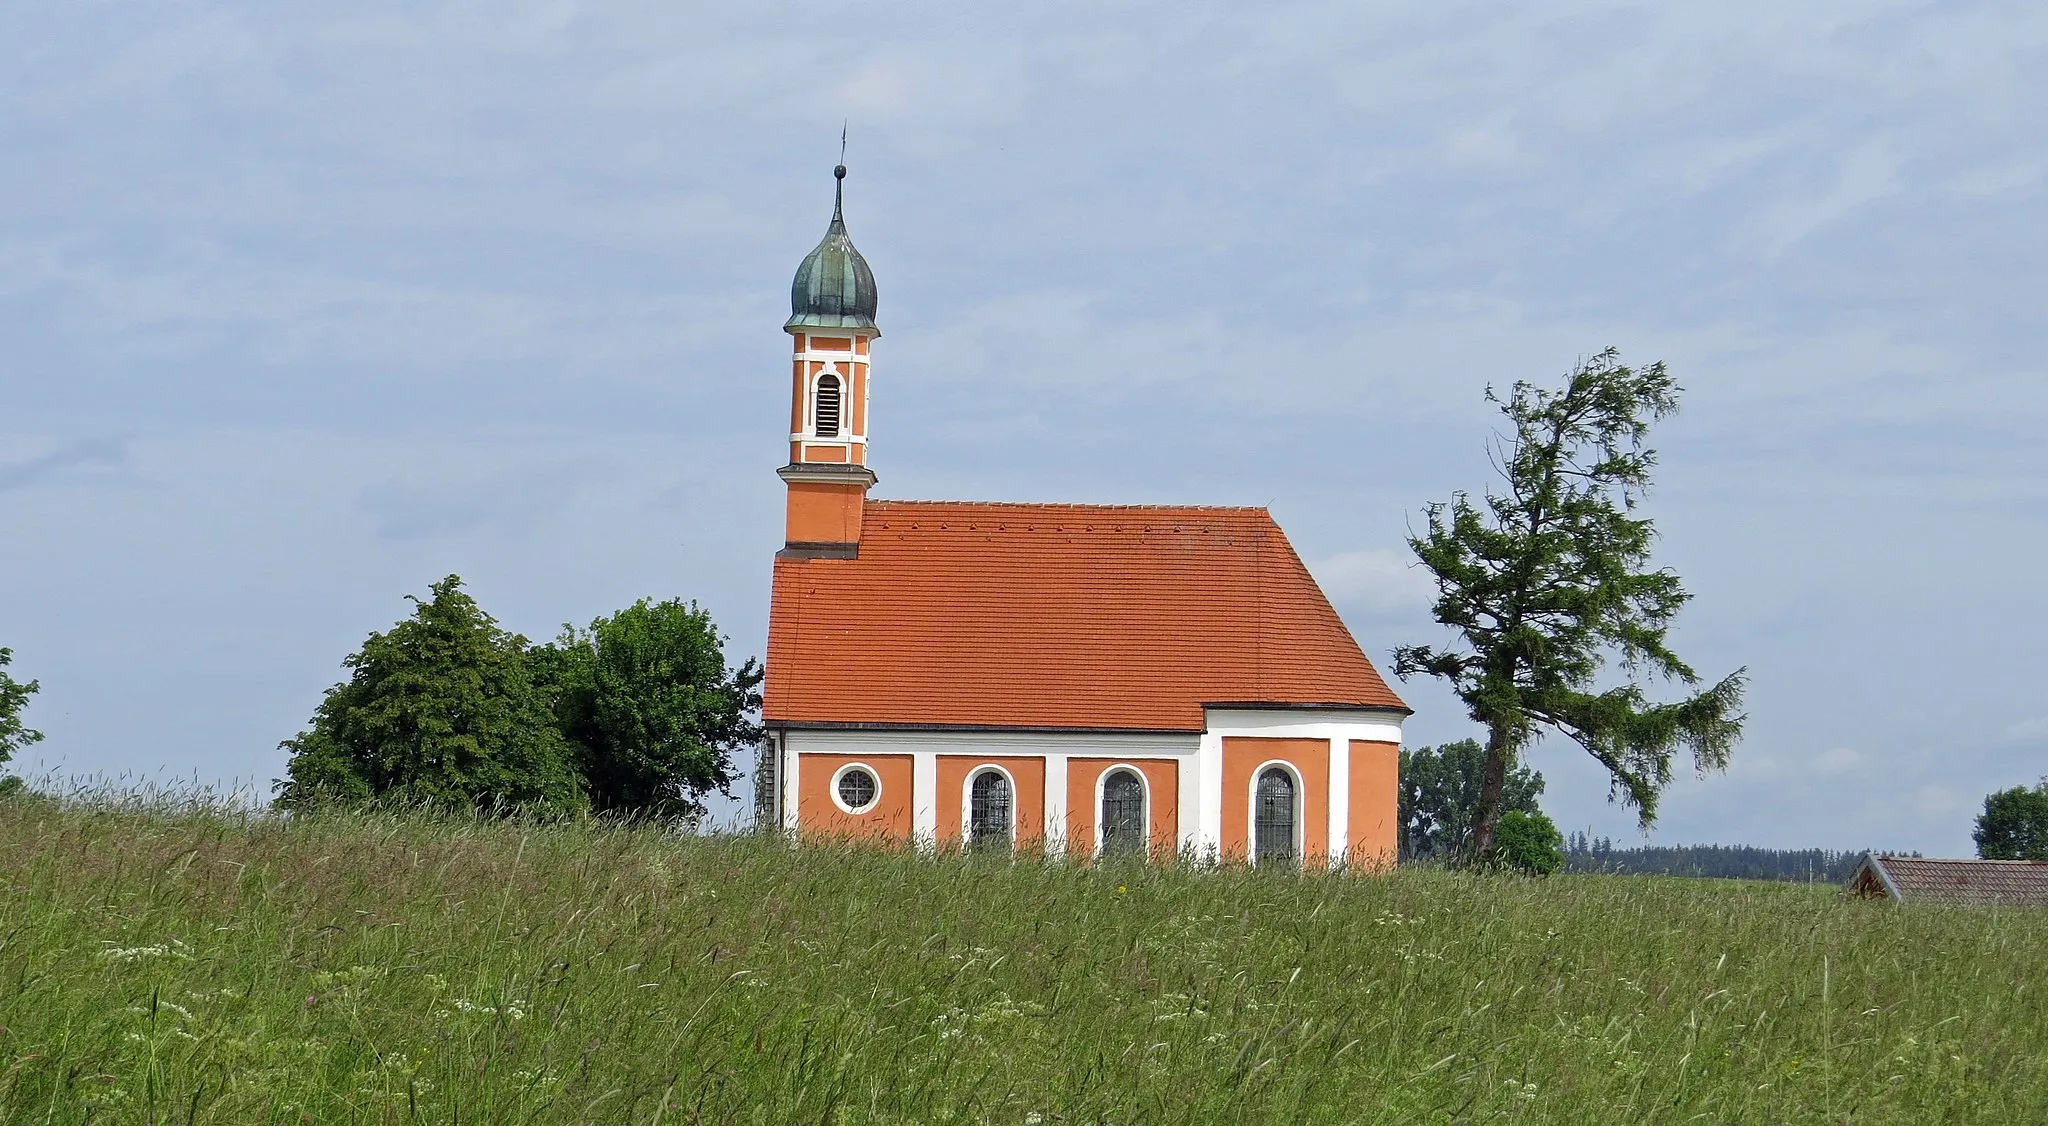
(205, 966)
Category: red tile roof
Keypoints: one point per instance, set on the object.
(1984, 883)
(1046, 615)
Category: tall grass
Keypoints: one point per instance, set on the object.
(223, 966)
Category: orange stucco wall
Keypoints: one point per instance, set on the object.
(1375, 805)
(817, 813)
(1162, 809)
(1310, 758)
(1029, 775)
(831, 344)
(822, 512)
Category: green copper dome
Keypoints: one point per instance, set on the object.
(834, 287)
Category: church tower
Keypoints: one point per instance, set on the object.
(831, 325)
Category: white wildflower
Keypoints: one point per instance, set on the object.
(172, 949)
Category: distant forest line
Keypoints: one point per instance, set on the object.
(1584, 853)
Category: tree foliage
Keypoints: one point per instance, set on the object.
(1528, 842)
(639, 714)
(1547, 581)
(14, 734)
(1440, 798)
(2014, 824)
(1584, 852)
(441, 710)
(655, 711)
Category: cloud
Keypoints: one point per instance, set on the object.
(1868, 173)
(1936, 800)
(1837, 760)
(1384, 583)
(84, 453)
(509, 503)
(1996, 179)
(2026, 731)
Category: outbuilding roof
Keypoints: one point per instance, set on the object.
(1917, 879)
(1056, 616)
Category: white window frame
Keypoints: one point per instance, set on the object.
(967, 801)
(1251, 828)
(1102, 787)
(811, 407)
(833, 789)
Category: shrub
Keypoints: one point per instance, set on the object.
(1528, 843)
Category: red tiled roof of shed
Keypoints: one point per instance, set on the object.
(1916, 879)
(1062, 616)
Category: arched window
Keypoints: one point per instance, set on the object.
(988, 811)
(826, 416)
(1123, 814)
(1273, 820)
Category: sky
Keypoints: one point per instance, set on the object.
(303, 307)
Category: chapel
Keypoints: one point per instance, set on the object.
(1093, 680)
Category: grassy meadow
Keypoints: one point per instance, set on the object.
(205, 966)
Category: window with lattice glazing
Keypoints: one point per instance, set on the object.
(988, 811)
(857, 789)
(1123, 814)
(1273, 820)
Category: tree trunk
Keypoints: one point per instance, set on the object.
(1499, 747)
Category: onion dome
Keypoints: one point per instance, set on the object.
(834, 287)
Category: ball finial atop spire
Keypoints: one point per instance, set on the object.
(839, 172)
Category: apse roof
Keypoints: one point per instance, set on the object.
(1056, 616)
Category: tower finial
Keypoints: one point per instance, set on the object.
(839, 175)
(833, 288)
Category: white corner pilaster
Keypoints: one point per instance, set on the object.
(924, 795)
(1208, 842)
(786, 747)
(1188, 816)
(1340, 798)
(1055, 803)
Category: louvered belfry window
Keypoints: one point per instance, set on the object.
(1123, 814)
(1273, 821)
(988, 813)
(826, 416)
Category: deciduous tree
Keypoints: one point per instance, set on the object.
(653, 706)
(440, 710)
(14, 734)
(1548, 580)
(1440, 798)
(2014, 824)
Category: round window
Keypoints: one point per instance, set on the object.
(857, 788)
